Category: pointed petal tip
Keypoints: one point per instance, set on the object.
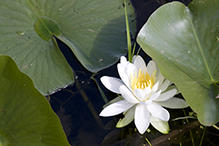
(158, 111)
(142, 118)
(128, 118)
(174, 103)
(163, 130)
(167, 95)
(143, 130)
(112, 83)
(151, 66)
(116, 108)
(104, 113)
(101, 114)
(123, 61)
(127, 94)
(161, 126)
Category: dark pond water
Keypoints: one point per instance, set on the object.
(78, 107)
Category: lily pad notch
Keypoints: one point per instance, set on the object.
(45, 27)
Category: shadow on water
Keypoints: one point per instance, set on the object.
(78, 107)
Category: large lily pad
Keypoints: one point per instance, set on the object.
(183, 41)
(93, 29)
(26, 116)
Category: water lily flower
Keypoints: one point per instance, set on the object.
(145, 93)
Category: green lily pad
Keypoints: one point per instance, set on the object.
(93, 29)
(26, 116)
(183, 41)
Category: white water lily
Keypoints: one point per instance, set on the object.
(145, 92)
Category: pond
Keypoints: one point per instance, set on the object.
(78, 107)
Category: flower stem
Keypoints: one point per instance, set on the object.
(193, 143)
(148, 142)
(216, 127)
(100, 90)
(202, 136)
(128, 34)
(89, 104)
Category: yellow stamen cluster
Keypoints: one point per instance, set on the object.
(142, 80)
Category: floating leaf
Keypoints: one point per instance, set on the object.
(26, 116)
(183, 41)
(93, 29)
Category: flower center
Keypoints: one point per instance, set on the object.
(141, 80)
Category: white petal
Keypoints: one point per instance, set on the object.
(155, 87)
(146, 103)
(133, 58)
(158, 111)
(142, 118)
(174, 103)
(164, 85)
(139, 62)
(129, 116)
(116, 108)
(124, 61)
(151, 67)
(147, 90)
(144, 68)
(155, 95)
(113, 101)
(123, 74)
(172, 87)
(160, 125)
(131, 69)
(159, 78)
(112, 83)
(140, 94)
(127, 94)
(167, 95)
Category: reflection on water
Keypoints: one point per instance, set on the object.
(78, 107)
